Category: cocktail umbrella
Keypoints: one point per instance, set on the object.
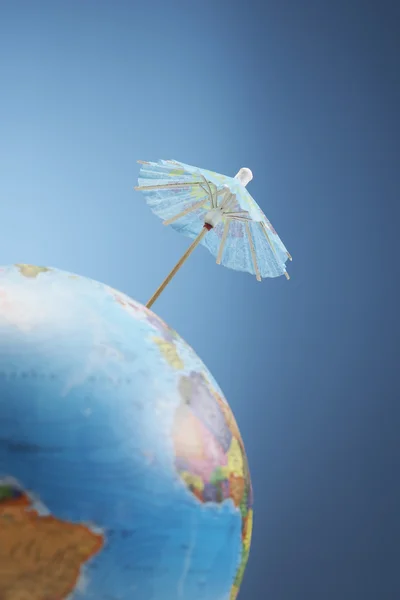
(218, 212)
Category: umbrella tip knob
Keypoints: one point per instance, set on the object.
(244, 176)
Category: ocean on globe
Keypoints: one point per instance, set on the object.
(123, 474)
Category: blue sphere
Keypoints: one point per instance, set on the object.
(122, 470)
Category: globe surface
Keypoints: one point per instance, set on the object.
(122, 471)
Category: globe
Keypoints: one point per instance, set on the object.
(122, 470)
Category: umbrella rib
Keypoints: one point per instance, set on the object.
(253, 252)
(241, 219)
(167, 186)
(242, 215)
(216, 192)
(223, 242)
(264, 230)
(263, 227)
(227, 201)
(213, 204)
(185, 212)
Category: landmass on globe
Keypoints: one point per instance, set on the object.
(210, 455)
(39, 552)
(31, 271)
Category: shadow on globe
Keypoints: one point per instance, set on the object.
(122, 470)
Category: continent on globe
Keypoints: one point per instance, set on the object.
(210, 456)
(31, 270)
(169, 352)
(39, 552)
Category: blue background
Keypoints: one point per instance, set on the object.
(306, 94)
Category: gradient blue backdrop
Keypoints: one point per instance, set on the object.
(306, 94)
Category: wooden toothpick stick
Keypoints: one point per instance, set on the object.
(178, 265)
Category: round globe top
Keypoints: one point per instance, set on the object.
(122, 470)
